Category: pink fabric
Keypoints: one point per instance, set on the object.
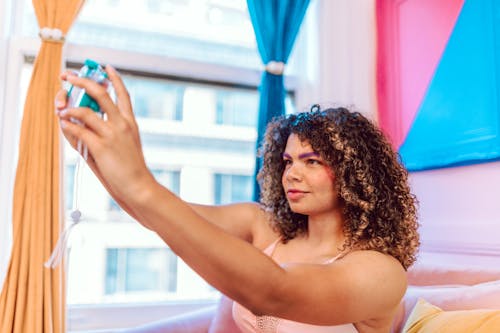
(194, 322)
(249, 323)
(438, 274)
(412, 35)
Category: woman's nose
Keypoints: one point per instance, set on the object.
(293, 172)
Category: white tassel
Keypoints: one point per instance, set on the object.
(59, 251)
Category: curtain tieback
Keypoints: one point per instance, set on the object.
(52, 35)
(275, 67)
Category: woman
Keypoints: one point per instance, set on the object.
(326, 249)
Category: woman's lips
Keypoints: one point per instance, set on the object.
(295, 194)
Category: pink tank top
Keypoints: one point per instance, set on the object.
(247, 322)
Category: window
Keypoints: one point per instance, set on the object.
(182, 155)
(194, 91)
(232, 188)
(155, 99)
(169, 179)
(238, 109)
(136, 270)
(241, 108)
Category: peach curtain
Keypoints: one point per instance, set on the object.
(33, 297)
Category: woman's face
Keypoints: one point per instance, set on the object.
(307, 180)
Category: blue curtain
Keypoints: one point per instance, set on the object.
(276, 24)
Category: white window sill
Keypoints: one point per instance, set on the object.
(104, 317)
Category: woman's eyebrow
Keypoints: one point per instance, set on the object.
(302, 156)
(306, 155)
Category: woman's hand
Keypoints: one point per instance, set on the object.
(115, 152)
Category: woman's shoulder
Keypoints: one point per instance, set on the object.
(376, 267)
(370, 259)
(376, 278)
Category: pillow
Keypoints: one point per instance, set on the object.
(480, 296)
(452, 297)
(427, 318)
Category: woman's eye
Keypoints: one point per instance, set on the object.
(287, 162)
(313, 161)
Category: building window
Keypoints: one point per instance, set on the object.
(232, 188)
(155, 99)
(135, 270)
(168, 178)
(237, 109)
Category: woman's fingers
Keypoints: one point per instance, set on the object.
(123, 101)
(122, 95)
(65, 74)
(73, 141)
(85, 117)
(98, 92)
(61, 100)
(78, 132)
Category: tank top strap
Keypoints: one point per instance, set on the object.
(270, 249)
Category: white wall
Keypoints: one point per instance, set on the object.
(460, 214)
(341, 49)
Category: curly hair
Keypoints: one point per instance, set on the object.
(379, 210)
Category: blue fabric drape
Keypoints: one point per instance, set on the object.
(276, 24)
(458, 121)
